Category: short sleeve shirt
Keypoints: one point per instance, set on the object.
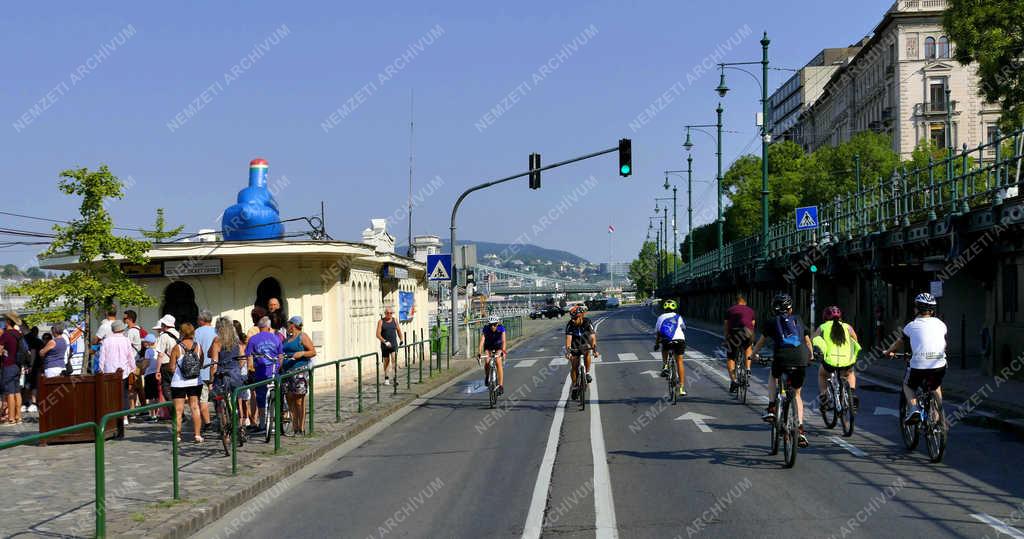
(580, 334)
(787, 357)
(927, 337)
(492, 338)
(740, 316)
(265, 347)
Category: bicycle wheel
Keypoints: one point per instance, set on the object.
(909, 432)
(776, 430)
(270, 412)
(225, 427)
(937, 431)
(741, 381)
(792, 433)
(673, 382)
(829, 416)
(582, 377)
(846, 414)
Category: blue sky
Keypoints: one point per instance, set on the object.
(157, 60)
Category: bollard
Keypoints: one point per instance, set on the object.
(359, 388)
(278, 412)
(337, 392)
(309, 405)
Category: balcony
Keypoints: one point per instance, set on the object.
(931, 108)
(921, 5)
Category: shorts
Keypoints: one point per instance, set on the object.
(261, 392)
(796, 374)
(10, 380)
(385, 351)
(677, 347)
(832, 368)
(296, 385)
(152, 387)
(53, 372)
(165, 381)
(185, 392)
(739, 340)
(930, 378)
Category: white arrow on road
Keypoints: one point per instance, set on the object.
(654, 374)
(698, 419)
(886, 411)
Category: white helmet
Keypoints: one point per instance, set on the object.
(493, 319)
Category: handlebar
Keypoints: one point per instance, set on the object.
(901, 355)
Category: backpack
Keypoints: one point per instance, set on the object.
(785, 327)
(24, 356)
(668, 327)
(190, 364)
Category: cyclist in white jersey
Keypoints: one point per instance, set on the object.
(927, 336)
(669, 329)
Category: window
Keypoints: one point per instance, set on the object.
(929, 48)
(990, 133)
(937, 95)
(943, 48)
(937, 135)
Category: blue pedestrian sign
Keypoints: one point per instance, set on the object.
(807, 218)
(439, 267)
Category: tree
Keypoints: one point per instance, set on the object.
(158, 234)
(98, 280)
(35, 273)
(643, 270)
(989, 32)
(9, 271)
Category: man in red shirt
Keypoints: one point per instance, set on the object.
(10, 373)
(738, 329)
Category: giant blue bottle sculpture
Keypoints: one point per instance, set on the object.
(255, 215)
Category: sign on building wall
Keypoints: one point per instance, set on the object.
(394, 272)
(406, 306)
(183, 268)
(153, 269)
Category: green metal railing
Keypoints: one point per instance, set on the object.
(100, 472)
(953, 185)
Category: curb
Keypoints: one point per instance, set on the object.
(208, 515)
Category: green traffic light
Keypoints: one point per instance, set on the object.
(624, 169)
(814, 269)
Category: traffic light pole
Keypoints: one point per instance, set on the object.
(455, 210)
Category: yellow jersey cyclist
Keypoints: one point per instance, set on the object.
(493, 344)
(580, 341)
(669, 330)
(927, 335)
(838, 344)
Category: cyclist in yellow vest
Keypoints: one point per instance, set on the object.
(839, 347)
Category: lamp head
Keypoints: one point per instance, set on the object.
(689, 143)
(722, 89)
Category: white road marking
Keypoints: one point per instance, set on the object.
(998, 525)
(654, 374)
(604, 504)
(628, 356)
(535, 517)
(848, 446)
(559, 361)
(525, 363)
(656, 355)
(596, 359)
(698, 420)
(540, 349)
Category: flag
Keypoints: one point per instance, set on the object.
(611, 229)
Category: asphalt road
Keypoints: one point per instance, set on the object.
(629, 466)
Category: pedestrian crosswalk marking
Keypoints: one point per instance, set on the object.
(526, 363)
(628, 356)
(656, 355)
(559, 361)
(596, 359)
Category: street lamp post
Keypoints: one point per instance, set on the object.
(675, 229)
(666, 225)
(765, 132)
(688, 145)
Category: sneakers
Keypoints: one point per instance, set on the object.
(682, 391)
(913, 417)
(733, 387)
(802, 438)
(589, 378)
(501, 390)
(33, 408)
(24, 408)
(575, 393)
(664, 372)
(769, 413)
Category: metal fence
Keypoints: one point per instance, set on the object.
(954, 185)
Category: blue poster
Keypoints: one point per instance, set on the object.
(406, 306)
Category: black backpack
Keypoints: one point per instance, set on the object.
(24, 357)
(190, 364)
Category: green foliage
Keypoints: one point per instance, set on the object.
(989, 32)
(98, 281)
(158, 234)
(643, 270)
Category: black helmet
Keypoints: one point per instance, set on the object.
(925, 302)
(782, 303)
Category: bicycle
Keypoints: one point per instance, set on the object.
(581, 375)
(271, 408)
(742, 374)
(224, 410)
(838, 401)
(491, 376)
(673, 374)
(785, 430)
(933, 421)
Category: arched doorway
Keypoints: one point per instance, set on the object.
(270, 288)
(180, 302)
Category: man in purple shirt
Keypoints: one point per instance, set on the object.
(266, 352)
(738, 329)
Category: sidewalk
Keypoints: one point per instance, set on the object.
(977, 398)
(50, 490)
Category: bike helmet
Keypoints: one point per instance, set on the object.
(831, 312)
(670, 305)
(925, 302)
(493, 319)
(782, 303)
(577, 309)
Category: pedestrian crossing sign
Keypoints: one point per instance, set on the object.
(807, 218)
(439, 267)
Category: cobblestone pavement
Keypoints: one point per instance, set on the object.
(56, 483)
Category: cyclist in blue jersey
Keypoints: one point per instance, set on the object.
(669, 330)
(492, 341)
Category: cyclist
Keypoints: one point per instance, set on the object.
(580, 339)
(492, 342)
(669, 330)
(927, 336)
(792, 352)
(738, 329)
(839, 348)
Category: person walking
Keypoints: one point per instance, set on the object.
(10, 374)
(389, 333)
(186, 389)
(300, 348)
(119, 356)
(205, 334)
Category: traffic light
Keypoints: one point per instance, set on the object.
(534, 171)
(625, 157)
(814, 268)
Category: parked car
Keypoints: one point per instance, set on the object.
(539, 313)
(553, 311)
